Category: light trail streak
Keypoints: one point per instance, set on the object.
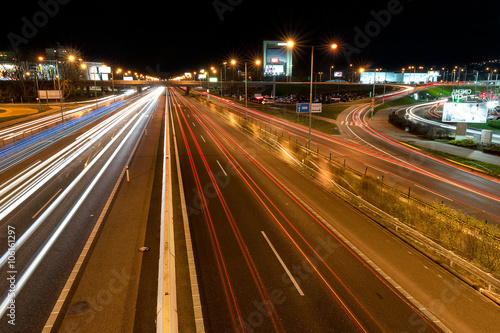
(241, 243)
(299, 201)
(247, 179)
(385, 156)
(27, 272)
(55, 169)
(429, 173)
(231, 301)
(33, 180)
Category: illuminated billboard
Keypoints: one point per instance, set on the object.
(277, 58)
(465, 112)
(274, 70)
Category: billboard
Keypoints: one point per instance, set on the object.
(274, 70)
(465, 112)
(277, 58)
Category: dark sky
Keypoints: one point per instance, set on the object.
(176, 36)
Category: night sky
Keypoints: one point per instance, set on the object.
(177, 36)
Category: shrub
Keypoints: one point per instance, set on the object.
(494, 123)
(494, 149)
(464, 143)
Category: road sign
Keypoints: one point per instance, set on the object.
(316, 107)
(302, 107)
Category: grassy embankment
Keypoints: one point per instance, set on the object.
(10, 112)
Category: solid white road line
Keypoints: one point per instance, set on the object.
(283, 265)
(222, 168)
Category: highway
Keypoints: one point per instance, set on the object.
(268, 252)
(24, 128)
(362, 149)
(275, 250)
(430, 177)
(431, 108)
(51, 195)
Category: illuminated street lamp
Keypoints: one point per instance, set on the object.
(257, 64)
(233, 62)
(59, 86)
(333, 46)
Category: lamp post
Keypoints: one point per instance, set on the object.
(40, 59)
(95, 86)
(372, 105)
(60, 92)
(257, 62)
(233, 62)
(225, 76)
(334, 47)
(246, 91)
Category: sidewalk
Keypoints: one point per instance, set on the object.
(381, 124)
(105, 298)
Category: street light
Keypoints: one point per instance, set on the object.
(40, 59)
(257, 64)
(59, 86)
(362, 70)
(233, 62)
(333, 46)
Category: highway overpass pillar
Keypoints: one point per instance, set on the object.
(139, 89)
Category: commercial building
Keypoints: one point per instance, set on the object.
(399, 77)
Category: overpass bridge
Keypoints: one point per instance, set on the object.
(122, 84)
(188, 85)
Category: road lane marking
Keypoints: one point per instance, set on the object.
(222, 168)
(193, 123)
(283, 265)
(202, 138)
(50, 200)
(435, 193)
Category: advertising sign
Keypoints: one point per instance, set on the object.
(274, 70)
(465, 112)
(460, 93)
(337, 74)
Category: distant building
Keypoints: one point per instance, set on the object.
(45, 68)
(399, 77)
(7, 65)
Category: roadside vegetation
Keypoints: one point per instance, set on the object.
(11, 112)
